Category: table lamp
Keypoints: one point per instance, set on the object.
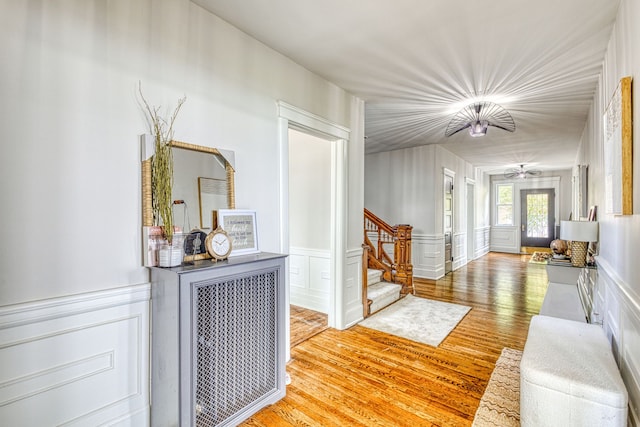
(580, 233)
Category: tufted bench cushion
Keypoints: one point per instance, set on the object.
(568, 376)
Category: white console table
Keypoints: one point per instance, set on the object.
(570, 293)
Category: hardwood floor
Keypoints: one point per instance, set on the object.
(305, 323)
(362, 377)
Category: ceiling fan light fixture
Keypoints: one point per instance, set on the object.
(521, 173)
(479, 128)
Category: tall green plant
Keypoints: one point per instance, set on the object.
(162, 165)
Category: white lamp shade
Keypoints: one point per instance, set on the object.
(579, 231)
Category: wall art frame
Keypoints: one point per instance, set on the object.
(618, 151)
(242, 227)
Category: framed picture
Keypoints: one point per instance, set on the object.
(593, 246)
(241, 226)
(618, 157)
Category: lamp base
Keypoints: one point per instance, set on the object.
(579, 254)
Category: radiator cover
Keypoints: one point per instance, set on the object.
(218, 344)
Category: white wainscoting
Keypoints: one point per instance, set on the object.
(310, 278)
(428, 255)
(620, 313)
(81, 360)
(459, 250)
(505, 239)
(483, 240)
(353, 288)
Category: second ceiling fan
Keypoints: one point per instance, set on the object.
(521, 173)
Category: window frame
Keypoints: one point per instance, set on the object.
(497, 204)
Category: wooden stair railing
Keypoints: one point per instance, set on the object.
(399, 270)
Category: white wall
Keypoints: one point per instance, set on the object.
(618, 268)
(406, 187)
(70, 157)
(309, 191)
(309, 220)
(70, 160)
(507, 238)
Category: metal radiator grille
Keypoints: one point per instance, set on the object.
(236, 345)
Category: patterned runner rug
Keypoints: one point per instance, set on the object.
(418, 319)
(540, 257)
(500, 403)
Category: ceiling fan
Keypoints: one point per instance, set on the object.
(521, 173)
(477, 117)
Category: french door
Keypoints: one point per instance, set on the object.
(537, 220)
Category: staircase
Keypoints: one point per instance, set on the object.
(379, 292)
(384, 278)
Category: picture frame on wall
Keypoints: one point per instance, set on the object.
(241, 226)
(593, 246)
(618, 156)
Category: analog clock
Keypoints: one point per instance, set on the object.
(218, 244)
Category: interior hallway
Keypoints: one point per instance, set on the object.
(362, 377)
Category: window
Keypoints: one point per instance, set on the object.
(504, 204)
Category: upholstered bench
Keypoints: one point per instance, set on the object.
(568, 376)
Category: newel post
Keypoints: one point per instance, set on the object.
(402, 258)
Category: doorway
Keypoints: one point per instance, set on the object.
(291, 117)
(448, 222)
(537, 217)
(471, 220)
(309, 234)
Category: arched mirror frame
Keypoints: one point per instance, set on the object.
(147, 193)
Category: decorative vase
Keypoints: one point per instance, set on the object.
(172, 255)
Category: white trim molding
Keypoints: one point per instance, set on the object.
(505, 239)
(310, 278)
(619, 311)
(428, 255)
(78, 360)
(483, 241)
(459, 250)
(293, 117)
(353, 288)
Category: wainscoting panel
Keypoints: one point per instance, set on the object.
(483, 240)
(505, 239)
(78, 361)
(353, 288)
(459, 250)
(310, 278)
(621, 322)
(428, 256)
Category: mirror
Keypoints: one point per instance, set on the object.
(203, 179)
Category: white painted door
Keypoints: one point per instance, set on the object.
(448, 223)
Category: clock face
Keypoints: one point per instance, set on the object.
(218, 244)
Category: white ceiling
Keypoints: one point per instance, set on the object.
(417, 62)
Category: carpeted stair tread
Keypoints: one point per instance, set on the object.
(382, 294)
(373, 276)
(381, 289)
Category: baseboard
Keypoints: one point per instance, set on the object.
(78, 360)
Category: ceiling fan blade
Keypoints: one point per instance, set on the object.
(510, 174)
(534, 172)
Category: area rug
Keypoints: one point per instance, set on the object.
(418, 319)
(500, 403)
(540, 257)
